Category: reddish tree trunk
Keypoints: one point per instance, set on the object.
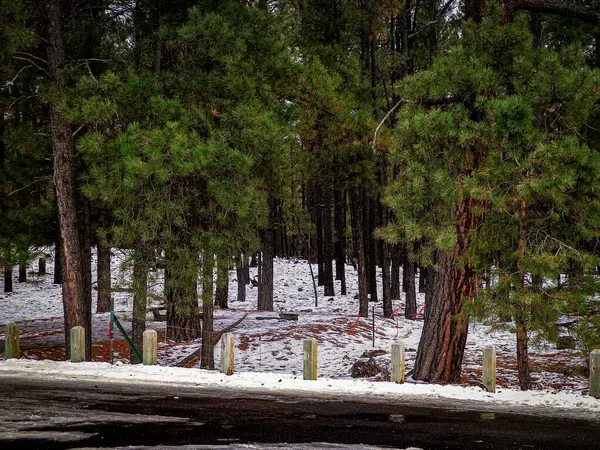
(63, 150)
(442, 343)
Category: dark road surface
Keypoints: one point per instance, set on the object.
(60, 414)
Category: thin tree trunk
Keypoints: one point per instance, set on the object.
(319, 237)
(103, 277)
(222, 290)
(410, 309)
(208, 334)
(327, 241)
(357, 235)
(140, 287)
(522, 354)
(22, 272)
(8, 281)
(340, 238)
(265, 288)
(386, 281)
(42, 266)
(395, 273)
(422, 279)
(63, 150)
(241, 277)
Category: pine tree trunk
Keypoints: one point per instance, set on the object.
(319, 237)
(410, 308)
(140, 287)
(222, 290)
(395, 273)
(422, 279)
(22, 272)
(444, 336)
(340, 238)
(356, 212)
(181, 292)
(327, 241)
(386, 281)
(8, 281)
(208, 335)
(103, 276)
(265, 288)
(85, 242)
(63, 150)
(42, 266)
(523, 355)
(58, 278)
(247, 265)
(241, 277)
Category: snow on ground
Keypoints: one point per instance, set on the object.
(269, 348)
(282, 383)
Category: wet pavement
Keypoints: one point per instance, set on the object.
(61, 414)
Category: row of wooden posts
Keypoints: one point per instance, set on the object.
(309, 369)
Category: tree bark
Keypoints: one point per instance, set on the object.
(103, 277)
(208, 331)
(140, 287)
(340, 238)
(42, 266)
(410, 308)
(222, 290)
(265, 287)
(441, 348)
(356, 210)
(22, 272)
(522, 354)
(241, 277)
(319, 237)
(8, 281)
(395, 273)
(63, 150)
(327, 241)
(58, 278)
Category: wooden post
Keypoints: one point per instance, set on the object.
(11, 344)
(77, 344)
(149, 348)
(310, 359)
(595, 373)
(489, 369)
(227, 353)
(398, 362)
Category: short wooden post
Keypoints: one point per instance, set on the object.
(227, 353)
(149, 347)
(398, 362)
(12, 343)
(77, 344)
(595, 373)
(310, 359)
(489, 369)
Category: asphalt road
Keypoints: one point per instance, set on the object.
(60, 414)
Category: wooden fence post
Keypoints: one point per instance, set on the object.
(595, 374)
(149, 348)
(227, 353)
(489, 369)
(398, 362)
(310, 359)
(77, 344)
(12, 343)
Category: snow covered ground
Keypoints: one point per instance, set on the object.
(269, 350)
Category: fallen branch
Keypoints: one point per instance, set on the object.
(196, 354)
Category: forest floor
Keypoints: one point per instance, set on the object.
(265, 343)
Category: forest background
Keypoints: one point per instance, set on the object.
(453, 140)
